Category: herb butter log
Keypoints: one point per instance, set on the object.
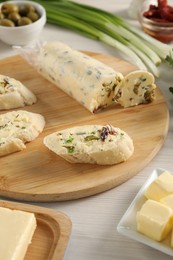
(17, 128)
(13, 94)
(137, 87)
(94, 144)
(87, 80)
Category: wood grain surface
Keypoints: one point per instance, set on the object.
(52, 233)
(37, 174)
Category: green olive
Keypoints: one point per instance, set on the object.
(25, 9)
(14, 16)
(17, 15)
(33, 16)
(7, 22)
(8, 8)
(1, 15)
(24, 21)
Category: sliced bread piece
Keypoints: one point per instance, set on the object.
(137, 87)
(13, 94)
(18, 128)
(94, 144)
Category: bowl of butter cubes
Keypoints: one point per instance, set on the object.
(149, 218)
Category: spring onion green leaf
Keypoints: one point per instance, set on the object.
(143, 50)
(169, 59)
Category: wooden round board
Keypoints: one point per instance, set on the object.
(37, 174)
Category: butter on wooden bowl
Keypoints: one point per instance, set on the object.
(16, 231)
(45, 244)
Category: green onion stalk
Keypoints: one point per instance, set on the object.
(142, 49)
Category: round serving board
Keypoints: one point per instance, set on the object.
(37, 174)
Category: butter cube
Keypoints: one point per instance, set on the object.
(160, 187)
(154, 220)
(168, 201)
(16, 231)
(172, 239)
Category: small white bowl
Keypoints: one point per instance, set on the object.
(162, 31)
(128, 227)
(23, 35)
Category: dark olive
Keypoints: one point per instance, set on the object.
(7, 22)
(14, 16)
(25, 9)
(33, 16)
(8, 8)
(24, 21)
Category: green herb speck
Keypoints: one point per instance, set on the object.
(69, 140)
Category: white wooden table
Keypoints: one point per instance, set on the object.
(94, 235)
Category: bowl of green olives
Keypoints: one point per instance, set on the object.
(21, 22)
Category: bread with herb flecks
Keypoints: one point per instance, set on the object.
(13, 94)
(94, 144)
(17, 128)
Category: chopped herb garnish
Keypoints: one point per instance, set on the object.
(3, 126)
(70, 149)
(89, 72)
(91, 138)
(106, 130)
(69, 140)
(143, 79)
(80, 133)
(107, 84)
(104, 133)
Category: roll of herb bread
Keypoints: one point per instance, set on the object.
(93, 144)
(84, 78)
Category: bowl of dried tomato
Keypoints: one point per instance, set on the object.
(156, 18)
